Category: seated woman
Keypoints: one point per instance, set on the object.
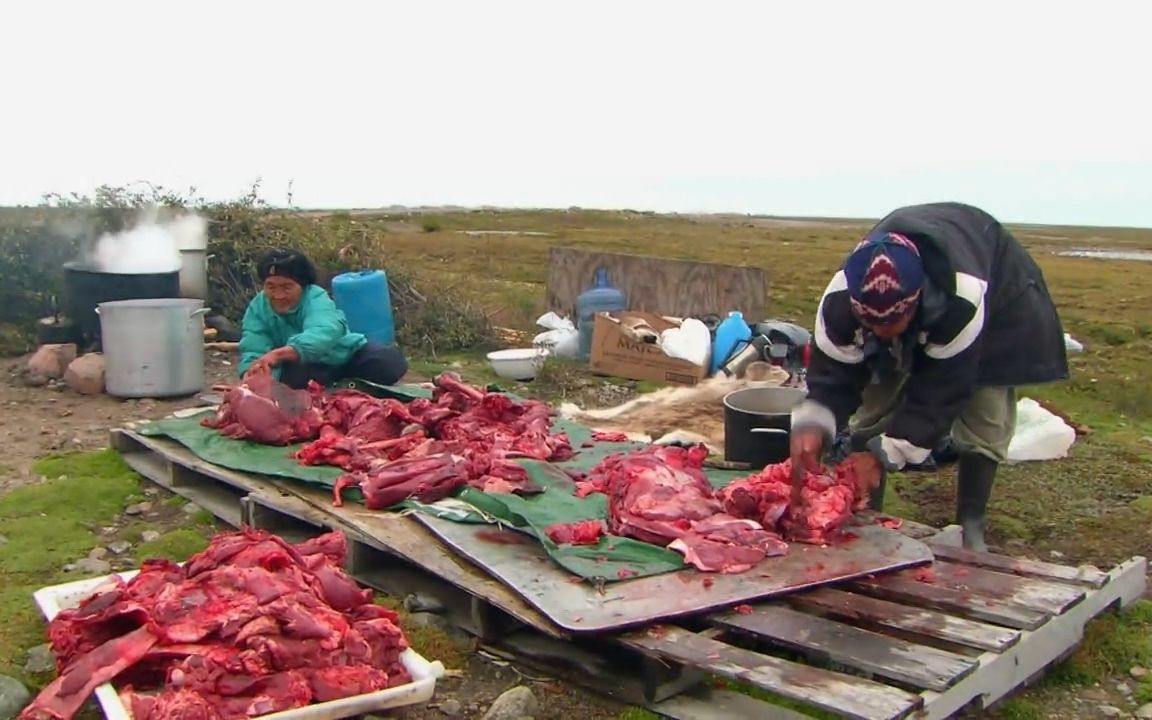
(293, 330)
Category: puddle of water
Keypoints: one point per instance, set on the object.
(1140, 255)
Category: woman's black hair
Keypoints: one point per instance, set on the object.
(287, 263)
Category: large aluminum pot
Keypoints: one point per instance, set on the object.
(153, 348)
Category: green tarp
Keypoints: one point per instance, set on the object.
(614, 558)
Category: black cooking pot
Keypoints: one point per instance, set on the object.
(758, 423)
(87, 287)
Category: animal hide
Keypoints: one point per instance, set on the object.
(673, 414)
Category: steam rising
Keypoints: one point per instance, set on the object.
(150, 246)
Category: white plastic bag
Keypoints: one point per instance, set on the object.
(691, 341)
(1039, 435)
(1072, 344)
(561, 338)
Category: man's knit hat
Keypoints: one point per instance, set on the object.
(885, 276)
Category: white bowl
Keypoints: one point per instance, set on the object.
(517, 364)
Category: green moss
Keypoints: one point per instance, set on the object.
(634, 713)
(1019, 709)
(1112, 644)
(177, 546)
(774, 699)
(48, 526)
(1143, 504)
(1009, 527)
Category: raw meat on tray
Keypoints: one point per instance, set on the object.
(251, 625)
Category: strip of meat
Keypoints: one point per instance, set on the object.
(61, 699)
(725, 544)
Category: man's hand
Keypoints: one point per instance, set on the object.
(869, 471)
(806, 449)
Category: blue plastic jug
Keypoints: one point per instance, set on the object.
(601, 297)
(364, 298)
(731, 334)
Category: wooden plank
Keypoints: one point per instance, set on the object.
(820, 639)
(679, 288)
(1049, 597)
(1002, 674)
(928, 623)
(967, 604)
(1083, 575)
(846, 695)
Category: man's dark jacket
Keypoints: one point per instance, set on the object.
(985, 319)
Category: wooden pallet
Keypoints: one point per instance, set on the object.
(926, 643)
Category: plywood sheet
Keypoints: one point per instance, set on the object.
(678, 288)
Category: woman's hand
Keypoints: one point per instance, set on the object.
(271, 359)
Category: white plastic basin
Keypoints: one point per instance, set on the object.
(517, 364)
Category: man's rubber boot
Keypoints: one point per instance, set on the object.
(974, 478)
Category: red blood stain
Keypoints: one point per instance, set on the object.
(744, 609)
(708, 582)
(625, 573)
(502, 537)
(925, 575)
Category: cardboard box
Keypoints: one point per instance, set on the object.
(615, 352)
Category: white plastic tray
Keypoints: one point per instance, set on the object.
(52, 600)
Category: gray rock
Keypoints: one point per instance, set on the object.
(1145, 712)
(429, 620)
(41, 659)
(192, 508)
(149, 536)
(97, 553)
(422, 603)
(120, 547)
(451, 708)
(138, 508)
(3, 540)
(13, 697)
(95, 567)
(1123, 689)
(512, 705)
(1109, 711)
(1138, 673)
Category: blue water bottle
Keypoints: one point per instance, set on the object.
(601, 297)
(731, 334)
(364, 298)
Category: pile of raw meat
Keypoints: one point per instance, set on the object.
(660, 495)
(426, 449)
(250, 626)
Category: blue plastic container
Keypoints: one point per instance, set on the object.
(601, 297)
(364, 298)
(731, 334)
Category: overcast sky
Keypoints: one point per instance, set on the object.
(1038, 112)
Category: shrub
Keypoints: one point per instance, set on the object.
(36, 242)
